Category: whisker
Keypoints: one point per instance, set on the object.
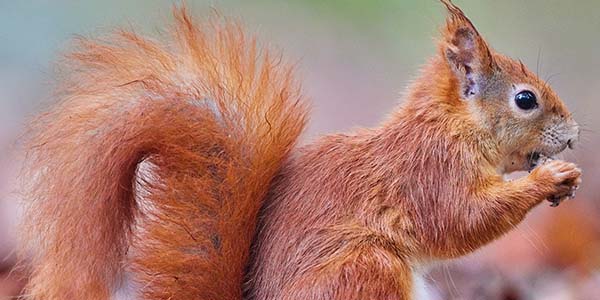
(549, 78)
(589, 130)
(537, 67)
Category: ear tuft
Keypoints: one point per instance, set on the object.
(455, 14)
(465, 50)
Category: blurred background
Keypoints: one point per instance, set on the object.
(356, 57)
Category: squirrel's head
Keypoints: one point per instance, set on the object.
(523, 114)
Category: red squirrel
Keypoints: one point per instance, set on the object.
(175, 163)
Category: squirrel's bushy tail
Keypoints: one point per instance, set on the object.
(155, 162)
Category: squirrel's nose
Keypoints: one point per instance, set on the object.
(574, 137)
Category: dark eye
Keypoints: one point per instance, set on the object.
(526, 100)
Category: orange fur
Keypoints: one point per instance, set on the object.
(209, 115)
(169, 152)
(424, 186)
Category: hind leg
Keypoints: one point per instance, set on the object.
(366, 274)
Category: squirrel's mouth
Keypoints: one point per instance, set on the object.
(534, 159)
(529, 160)
(537, 158)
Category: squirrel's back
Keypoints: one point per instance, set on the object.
(155, 161)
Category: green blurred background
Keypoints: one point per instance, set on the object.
(355, 58)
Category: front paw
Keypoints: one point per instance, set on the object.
(558, 179)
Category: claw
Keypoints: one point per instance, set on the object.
(555, 200)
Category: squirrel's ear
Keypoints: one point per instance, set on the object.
(466, 51)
